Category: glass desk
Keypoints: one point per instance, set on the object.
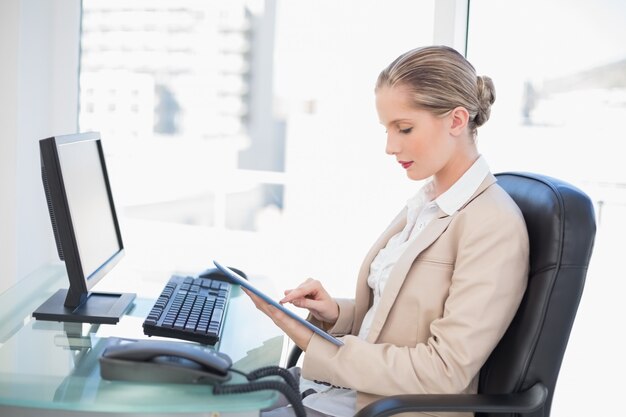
(52, 368)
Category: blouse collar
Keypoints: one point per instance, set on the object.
(458, 194)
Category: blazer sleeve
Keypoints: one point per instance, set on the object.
(487, 285)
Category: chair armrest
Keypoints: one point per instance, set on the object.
(521, 402)
(293, 357)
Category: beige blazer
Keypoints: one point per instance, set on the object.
(448, 301)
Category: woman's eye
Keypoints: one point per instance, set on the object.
(406, 131)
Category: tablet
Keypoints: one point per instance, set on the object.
(239, 280)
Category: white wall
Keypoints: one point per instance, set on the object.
(39, 50)
(9, 13)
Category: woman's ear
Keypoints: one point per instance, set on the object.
(459, 119)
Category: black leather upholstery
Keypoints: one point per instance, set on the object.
(520, 375)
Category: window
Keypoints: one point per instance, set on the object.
(250, 126)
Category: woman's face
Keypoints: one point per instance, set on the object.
(419, 140)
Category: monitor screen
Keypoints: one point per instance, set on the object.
(88, 201)
(85, 227)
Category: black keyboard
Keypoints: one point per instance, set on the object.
(190, 309)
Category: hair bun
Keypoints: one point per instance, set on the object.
(486, 97)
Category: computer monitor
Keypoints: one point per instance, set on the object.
(85, 226)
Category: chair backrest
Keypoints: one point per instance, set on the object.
(561, 226)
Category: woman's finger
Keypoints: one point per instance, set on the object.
(309, 289)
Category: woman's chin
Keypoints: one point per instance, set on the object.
(416, 176)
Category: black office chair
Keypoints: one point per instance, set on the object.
(520, 375)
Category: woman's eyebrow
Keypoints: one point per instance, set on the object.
(396, 121)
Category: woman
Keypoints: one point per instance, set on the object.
(439, 288)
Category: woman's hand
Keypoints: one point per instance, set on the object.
(312, 296)
(297, 332)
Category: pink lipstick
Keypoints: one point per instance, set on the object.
(405, 164)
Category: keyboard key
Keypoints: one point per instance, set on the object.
(216, 317)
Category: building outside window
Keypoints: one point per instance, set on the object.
(252, 121)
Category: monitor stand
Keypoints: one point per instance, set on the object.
(100, 307)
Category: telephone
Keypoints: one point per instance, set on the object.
(161, 361)
(182, 363)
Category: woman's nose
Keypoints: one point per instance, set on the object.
(391, 147)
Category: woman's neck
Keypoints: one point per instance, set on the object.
(456, 167)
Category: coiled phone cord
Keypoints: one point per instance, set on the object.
(290, 388)
(275, 370)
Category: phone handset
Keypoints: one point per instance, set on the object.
(170, 352)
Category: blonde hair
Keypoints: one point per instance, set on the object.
(439, 80)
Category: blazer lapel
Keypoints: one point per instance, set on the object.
(363, 298)
(399, 271)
